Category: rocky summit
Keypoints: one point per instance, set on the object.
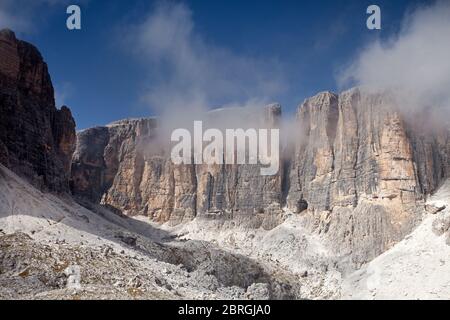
(359, 183)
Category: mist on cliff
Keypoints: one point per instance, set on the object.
(414, 64)
(191, 79)
(188, 75)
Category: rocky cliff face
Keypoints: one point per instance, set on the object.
(124, 167)
(357, 170)
(36, 139)
(362, 170)
(354, 177)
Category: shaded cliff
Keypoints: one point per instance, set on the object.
(36, 139)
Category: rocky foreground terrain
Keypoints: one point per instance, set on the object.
(358, 209)
(43, 238)
(119, 257)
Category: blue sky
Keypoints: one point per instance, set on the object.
(107, 71)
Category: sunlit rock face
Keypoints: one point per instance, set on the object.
(36, 139)
(363, 170)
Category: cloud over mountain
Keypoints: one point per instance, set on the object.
(414, 63)
(187, 71)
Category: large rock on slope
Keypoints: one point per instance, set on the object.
(36, 139)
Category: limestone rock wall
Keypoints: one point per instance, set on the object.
(355, 168)
(122, 167)
(362, 171)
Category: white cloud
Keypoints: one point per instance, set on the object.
(190, 74)
(415, 63)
